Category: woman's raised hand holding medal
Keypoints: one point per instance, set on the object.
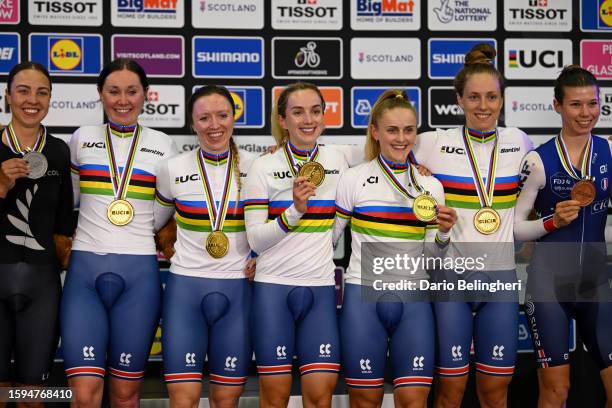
(302, 191)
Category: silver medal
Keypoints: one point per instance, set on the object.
(37, 162)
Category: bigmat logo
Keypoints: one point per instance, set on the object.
(396, 15)
(9, 11)
(228, 57)
(246, 14)
(310, 57)
(67, 12)
(596, 15)
(159, 55)
(596, 56)
(443, 108)
(165, 107)
(385, 58)
(538, 15)
(67, 54)
(464, 15)
(364, 97)
(9, 51)
(530, 107)
(536, 59)
(334, 113)
(150, 13)
(446, 55)
(605, 117)
(307, 14)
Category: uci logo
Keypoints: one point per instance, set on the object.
(184, 179)
(66, 54)
(452, 149)
(89, 145)
(282, 174)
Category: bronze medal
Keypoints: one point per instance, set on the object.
(424, 208)
(584, 192)
(120, 212)
(314, 172)
(487, 221)
(217, 244)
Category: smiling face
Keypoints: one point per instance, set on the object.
(481, 102)
(122, 97)
(303, 118)
(396, 132)
(213, 122)
(579, 110)
(29, 98)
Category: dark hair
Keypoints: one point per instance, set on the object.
(209, 90)
(477, 61)
(23, 66)
(280, 108)
(120, 64)
(573, 76)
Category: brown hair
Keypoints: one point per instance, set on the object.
(478, 60)
(390, 99)
(280, 109)
(573, 76)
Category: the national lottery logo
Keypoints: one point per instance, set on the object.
(466, 15)
(160, 13)
(67, 54)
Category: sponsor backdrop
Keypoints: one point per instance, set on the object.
(354, 49)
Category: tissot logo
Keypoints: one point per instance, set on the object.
(530, 107)
(538, 15)
(443, 108)
(385, 15)
(536, 59)
(307, 14)
(306, 58)
(164, 107)
(67, 12)
(605, 117)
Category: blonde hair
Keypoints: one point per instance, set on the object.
(280, 109)
(390, 99)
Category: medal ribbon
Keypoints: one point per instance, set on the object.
(485, 192)
(120, 181)
(216, 212)
(394, 180)
(14, 145)
(587, 157)
(293, 166)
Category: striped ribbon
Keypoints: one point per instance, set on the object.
(395, 181)
(120, 181)
(587, 157)
(485, 192)
(13, 141)
(216, 212)
(293, 166)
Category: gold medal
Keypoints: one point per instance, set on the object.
(583, 192)
(217, 244)
(487, 221)
(120, 212)
(424, 208)
(314, 172)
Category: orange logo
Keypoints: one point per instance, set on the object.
(334, 107)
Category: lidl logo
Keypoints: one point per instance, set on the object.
(596, 15)
(67, 54)
(363, 99)
(334, 113)
(249, 104)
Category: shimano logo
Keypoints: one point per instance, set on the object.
(448, 58)
(248, 57)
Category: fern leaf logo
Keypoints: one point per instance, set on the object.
(28, 239)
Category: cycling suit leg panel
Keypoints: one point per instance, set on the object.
(454, 328)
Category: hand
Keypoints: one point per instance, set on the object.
(423, 171)
(565, 212)
(165, 239)
(446, 218)
(302, 190)
(10, 171)
(63, 247)
(249, 269)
